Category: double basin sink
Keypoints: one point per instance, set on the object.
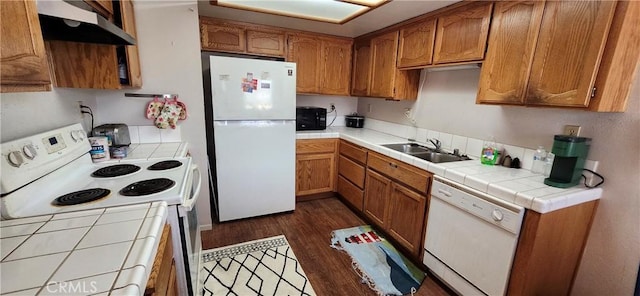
(425, 153)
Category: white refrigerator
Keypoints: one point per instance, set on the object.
(254, 130)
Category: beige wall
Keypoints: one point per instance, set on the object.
(26, 114)
(447, 103)
(169, 46)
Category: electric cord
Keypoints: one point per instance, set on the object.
(596, 174)
(334, 116)
(90, 112)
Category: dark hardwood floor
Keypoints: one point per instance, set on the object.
(308, 230)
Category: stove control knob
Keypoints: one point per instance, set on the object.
(497, 215)
(77, 136)
(29, 151)
(15, 158)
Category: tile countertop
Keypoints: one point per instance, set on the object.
(94, 252)
(518, 186)
(154, 151)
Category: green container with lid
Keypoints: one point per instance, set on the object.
(570, 154)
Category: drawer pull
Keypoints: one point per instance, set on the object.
(446, 193)
(393, 165)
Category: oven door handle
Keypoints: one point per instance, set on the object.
(187, 205)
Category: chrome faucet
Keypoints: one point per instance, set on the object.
(436, 143)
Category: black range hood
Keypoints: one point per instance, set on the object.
(62, 20)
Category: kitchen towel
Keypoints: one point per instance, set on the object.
(378, 263)
(261, 267)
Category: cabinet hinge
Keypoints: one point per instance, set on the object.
(593, 92)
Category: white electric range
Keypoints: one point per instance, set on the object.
(53, 172)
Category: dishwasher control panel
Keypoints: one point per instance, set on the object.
(485, 207)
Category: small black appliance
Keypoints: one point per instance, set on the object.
(311, 118)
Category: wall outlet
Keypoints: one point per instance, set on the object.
(572, 130)
(332, 106)
(369, 108)
(79, 107)
(407, 113)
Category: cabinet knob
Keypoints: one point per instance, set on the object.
(393, 165)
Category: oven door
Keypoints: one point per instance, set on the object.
(190, 232)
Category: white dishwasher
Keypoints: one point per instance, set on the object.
(471, 238)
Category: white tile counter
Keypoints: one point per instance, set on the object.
(81, 253)
(150, 151)
(518, 186)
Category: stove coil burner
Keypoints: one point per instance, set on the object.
(82, 196)
(147, 187)
(116, 170)
(164, 165)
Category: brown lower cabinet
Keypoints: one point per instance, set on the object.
(395, 199)
(315, 166)
(162, 279)
(352, 160)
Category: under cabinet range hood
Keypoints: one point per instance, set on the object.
(70, 21)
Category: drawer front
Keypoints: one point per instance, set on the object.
(315, 146)
(351, 171)
(354, 152)
(396, 169)
(351, 193)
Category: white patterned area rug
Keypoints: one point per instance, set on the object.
(261, 267)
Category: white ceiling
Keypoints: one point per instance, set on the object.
(383, 16)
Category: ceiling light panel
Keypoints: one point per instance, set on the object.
(322, 10)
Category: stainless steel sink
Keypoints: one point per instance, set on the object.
(408, 148)
(425, 153)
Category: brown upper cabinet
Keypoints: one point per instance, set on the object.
(96, 66)
(461, 35)
(553, 53)
(385, 80)
(103, 7)
(230, 36)
(505, 71)
(416, 44)
(323, 63)
(361, 70)
(131, 51)
(23, 61)
(304, 50)
(265, 42)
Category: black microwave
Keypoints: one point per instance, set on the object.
(311, 118)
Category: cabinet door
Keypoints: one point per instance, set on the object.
(103, 7)
(376, 198)
(462, 35)
(416, 44)
(505, 71)
(406, 217)
(84, 65)
(23, 61)
(568, 52)
(361, 68)
(315, 173)
(350, 193)
(305, 52)
(222, 36)
(265, 43)
(384, 50)
(133, 58)
(336, 67)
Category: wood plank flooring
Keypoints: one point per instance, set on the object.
(308, 230)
